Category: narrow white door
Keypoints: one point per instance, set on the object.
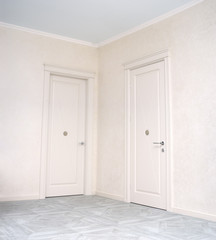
(66, 149)
(147, 136)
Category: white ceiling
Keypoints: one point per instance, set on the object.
(88, 20)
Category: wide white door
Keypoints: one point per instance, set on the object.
(147, 136)
(65, 167)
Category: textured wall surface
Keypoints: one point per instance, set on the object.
(190, 37)
(22, 56)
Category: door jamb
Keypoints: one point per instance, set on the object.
(90, 82)
(150, 59)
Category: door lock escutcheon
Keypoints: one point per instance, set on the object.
(65, 133)
(146, 132)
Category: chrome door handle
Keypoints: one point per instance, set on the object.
(161, 143)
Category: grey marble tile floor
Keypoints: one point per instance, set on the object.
(96, 218)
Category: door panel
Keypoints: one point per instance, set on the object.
(148, 162)
(66, 132)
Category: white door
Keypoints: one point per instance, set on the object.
(147, 136)
(66, 149)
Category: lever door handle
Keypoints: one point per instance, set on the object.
(161, 143)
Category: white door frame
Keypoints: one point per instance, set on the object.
(90, 82)
(157, 57)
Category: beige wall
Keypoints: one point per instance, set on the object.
(22, 56)
(190, 37)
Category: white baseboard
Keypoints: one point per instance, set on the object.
(19, 198)
(195, 214)
(108, 195)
